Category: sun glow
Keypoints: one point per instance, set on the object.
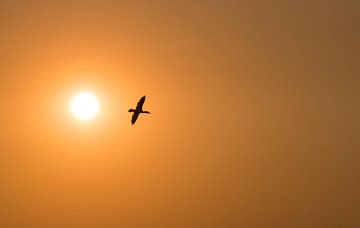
(85, 106)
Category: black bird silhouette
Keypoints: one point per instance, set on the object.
(138, 110)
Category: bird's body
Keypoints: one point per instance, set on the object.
(138, 110)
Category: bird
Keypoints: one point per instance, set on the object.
(138, 110)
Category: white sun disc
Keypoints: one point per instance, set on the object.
(85, 106)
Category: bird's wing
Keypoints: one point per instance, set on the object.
(134, 117)
(140, 103)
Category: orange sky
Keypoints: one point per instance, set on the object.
(255, 113)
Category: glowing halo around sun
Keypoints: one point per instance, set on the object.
(85, 106)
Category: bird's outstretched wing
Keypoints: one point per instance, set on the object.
(134, 117)
(140, 103)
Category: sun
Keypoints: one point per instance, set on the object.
(85, 106)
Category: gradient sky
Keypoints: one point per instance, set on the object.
(255, 113)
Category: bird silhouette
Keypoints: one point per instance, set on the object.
(138, 110)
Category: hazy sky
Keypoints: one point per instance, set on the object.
(255, 113)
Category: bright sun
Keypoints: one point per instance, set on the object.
(85, 106)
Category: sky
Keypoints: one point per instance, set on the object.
(254, 113)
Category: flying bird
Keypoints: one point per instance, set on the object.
(138, 110)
